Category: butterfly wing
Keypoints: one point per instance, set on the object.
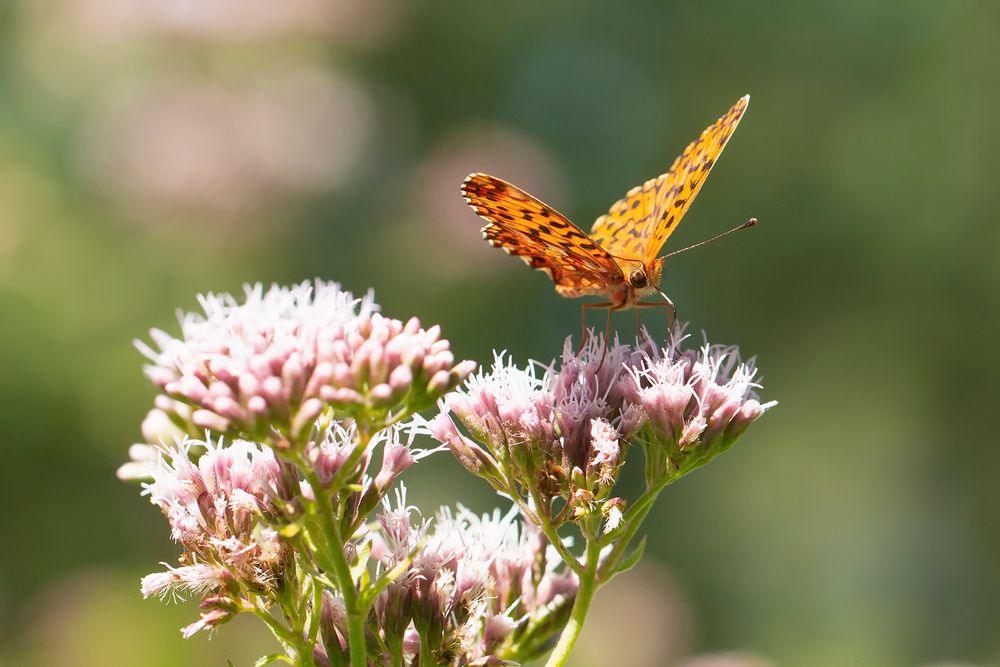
(637, 226)
(541, 236)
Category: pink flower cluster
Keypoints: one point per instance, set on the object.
(221, 507)
(697, 402)
(567, 430)
(280, 356)
(471, 582)
(330, 456)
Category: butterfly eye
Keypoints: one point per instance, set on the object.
(637, 278)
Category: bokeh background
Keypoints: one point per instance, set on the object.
(150, 151)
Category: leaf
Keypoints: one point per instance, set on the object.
(542, 630)
(359, 571)
(390, 576)
(629, 561)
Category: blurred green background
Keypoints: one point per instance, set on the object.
(151, 151)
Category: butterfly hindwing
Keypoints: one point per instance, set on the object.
(544, 238)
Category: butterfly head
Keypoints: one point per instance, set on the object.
(643, 280)
(646, 278)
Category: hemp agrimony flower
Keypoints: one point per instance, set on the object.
(555, 439)
(472, 586)
(560, 435)
(565, 433)
(285, 419)
(279, 357)
(697, 403)
(223, 509)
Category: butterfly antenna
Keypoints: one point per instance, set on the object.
(749, 223)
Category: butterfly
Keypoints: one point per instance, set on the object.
(618, 260)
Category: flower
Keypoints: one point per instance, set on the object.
(340, 460)
(200, 578)
(333, 623)
(141, 463)
(221, 506)
(605, 453)
(470, 581)
(329, 454)
(593, 384)
(280, 357)
(698, 402)
(216, 612)
(566, 431)
(561, 431)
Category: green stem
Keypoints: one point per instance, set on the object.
(290, 638)
(280, 632)
(304, 650)
(425, 652)
(581, 605)
(548, 528)
(332, 549)
(427, 655)
(396, 650)
(552, 535)
(296, 612)
(634, 516)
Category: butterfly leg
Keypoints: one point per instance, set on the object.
(604, 346)
(583, 321)
(607, 332)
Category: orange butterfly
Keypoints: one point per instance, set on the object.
(618, 259)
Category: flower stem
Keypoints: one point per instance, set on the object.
(334, 558)
(553, 536)
(581, 605)
(296, 649)
(330, 547)
(281, 633)
(396, 651)
(634, 516)
(426, 655)
(355, 623)
(547, 527)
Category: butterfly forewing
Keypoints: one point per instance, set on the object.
(637, 226)
(544, 238)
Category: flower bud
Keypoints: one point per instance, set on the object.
(439, 384)
(209, 619)
(306, 415)
(472, 457)
(158, 428)
(380, 395)
(400, 380)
